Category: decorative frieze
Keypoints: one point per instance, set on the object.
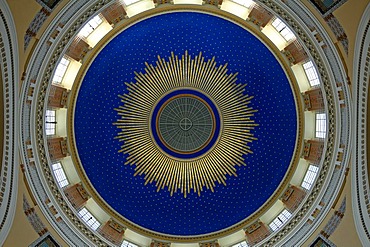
(338, 30)
(216, 3)
(313, 150)
(257, 232)
(293, 197)
(113, 232)
(77, 195)
(295, 52)
(159, 2)
(35, 25)
(33, 218)
(58, 96)
(114, 13)
(313, 100)
(260, 16)
(57, 148)
(334, 221)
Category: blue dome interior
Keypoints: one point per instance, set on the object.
(214, 37)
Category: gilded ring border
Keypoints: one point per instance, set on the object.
(299, 108)
(221, 124)
(204, 144)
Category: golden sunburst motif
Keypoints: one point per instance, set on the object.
(185, 124)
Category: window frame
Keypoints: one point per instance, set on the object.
(61, 70)
(50, 122)
(89, 218)
(320, 125)
(59, 174)
(310, 177)
(311, 73)
(283, 29)
(280, 220)
(90, 26)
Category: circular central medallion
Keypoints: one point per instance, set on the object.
(185, 123)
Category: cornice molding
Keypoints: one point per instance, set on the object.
(360, 172)
(9, 66)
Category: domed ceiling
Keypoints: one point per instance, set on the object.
(207, 129)
(184, 124)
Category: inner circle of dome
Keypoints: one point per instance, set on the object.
(185, 123)
(98, 149)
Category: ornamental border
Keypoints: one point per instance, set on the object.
(361, 174)
(10, 159)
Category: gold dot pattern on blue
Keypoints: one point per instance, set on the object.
(95, 134)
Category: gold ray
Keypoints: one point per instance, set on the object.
(193, 175)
